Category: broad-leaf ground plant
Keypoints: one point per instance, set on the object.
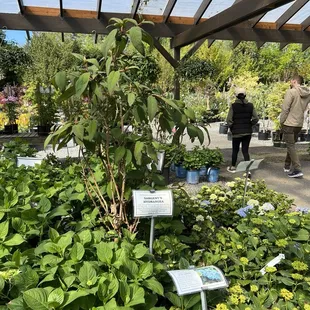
(117, 104)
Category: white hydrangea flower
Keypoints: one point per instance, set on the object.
(199, 218)
(253, 203)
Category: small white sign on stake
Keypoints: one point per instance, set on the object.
(190, 281)
(152, 204)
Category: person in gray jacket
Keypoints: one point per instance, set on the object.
(295, 103)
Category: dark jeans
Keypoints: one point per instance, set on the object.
(245, 141)
(290, 136)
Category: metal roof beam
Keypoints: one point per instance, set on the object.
(99, 5)
(286, 16)
(237, 13)
(168, 10)
(134, 8)
(21, 7)
(201, 10)
(62, 37)
(28, 35)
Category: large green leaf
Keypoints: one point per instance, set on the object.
(154, 285)
(56, 297)
(190, 113)
(135, 34)
(2, 283)
(87, 274)
(92, 129)
(69, 92)
(16, 304)
(44, 204)
(112, 81)
(139, 146)
(4, 229)
(145, 270)
(73, 295)
(104, 253)
(302, 235)
(77, 252)
(131, 98)
(119, 154)
(61, 80)
(85, 236)
(174, 299)
(108, 42)
(137, 295)
(152, 107)
(78, 130)
(13, 240)
(81, 84)
(191, 300)
(36, 299)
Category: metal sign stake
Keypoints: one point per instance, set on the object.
(204, 305)
(152, 234)
(246, 181)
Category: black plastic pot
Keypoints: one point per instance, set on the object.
(263, 135)
(307, 137)
(255, 128)
(277, 135)
(10, 129)
(223, 129)
(276, 143)
(44, 130)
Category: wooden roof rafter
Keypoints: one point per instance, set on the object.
(239, 12)
(288, 14)
(168, 10)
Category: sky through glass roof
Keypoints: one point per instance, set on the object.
(9, 6)
(186, 8)
(217, 6)
(153, 7)
(273, 15)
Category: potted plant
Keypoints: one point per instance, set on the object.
(178, 159)
(10, 104)
(215, 160)
(192, 164)
(204, 157)
(44, 98)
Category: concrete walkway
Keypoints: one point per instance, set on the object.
(271, 169)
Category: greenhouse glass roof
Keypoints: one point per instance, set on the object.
(185, 21)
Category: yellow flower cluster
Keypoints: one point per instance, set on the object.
(287, 295)
(221, 307)
(255, 231)
(254, 288)
(257, 221)
(282, 243)
(299, 266)
(244, 261)
(236, 289)
(307, 307)
(297, 276)
(270, 269)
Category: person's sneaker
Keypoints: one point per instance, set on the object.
(286, 170)
(231, 169)
(295, 174)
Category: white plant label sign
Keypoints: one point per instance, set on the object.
(152, 204)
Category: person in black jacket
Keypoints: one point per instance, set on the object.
(241, 118)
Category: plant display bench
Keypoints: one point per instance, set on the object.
(31, 137)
